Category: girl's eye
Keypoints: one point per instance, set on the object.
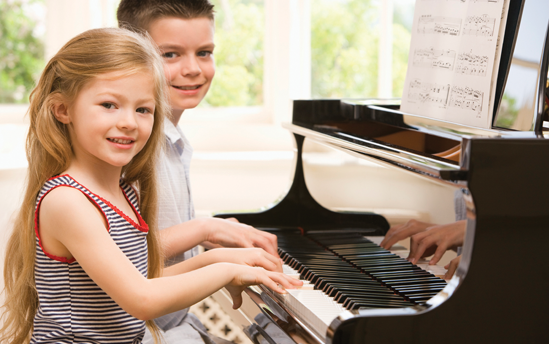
(169, 55)
(143, 110)
(109, 106)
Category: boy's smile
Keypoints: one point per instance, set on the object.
(187, 48)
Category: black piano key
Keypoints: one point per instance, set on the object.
(332, 289)
(404, 272)
(385, 268)
(326, 280)
(341, 297)
(390, 280)
(386, 262)
(410, 291)
(354, 246)
(356, 303)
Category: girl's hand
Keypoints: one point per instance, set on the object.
(246, 276)
(253, 257)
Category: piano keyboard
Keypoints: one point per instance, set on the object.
(347, 271)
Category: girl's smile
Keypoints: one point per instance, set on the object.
(111, 119)
(123, 143)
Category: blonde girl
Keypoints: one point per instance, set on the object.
(83, 263)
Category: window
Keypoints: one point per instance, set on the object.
(240, 28)
(360, 47)
(22, 49)
(268, 51)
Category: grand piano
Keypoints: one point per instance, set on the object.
(358, 292)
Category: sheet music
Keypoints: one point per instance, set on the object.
(454, 59)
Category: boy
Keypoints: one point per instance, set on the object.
(184, 32)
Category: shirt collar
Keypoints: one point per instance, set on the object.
(171, 132)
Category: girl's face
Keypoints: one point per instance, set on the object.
(112, 118)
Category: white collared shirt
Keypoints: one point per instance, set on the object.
(175, 199)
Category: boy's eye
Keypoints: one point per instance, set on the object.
(143, 110)
(109, 106)
(169, 55)
(205, 53)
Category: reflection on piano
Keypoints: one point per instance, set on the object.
(357, 292)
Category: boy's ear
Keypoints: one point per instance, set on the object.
(60, 110)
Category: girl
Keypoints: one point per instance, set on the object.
(77, 262)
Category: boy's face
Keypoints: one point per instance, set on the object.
(187, 49)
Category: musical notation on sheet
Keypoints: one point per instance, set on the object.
(434, 58)
(466, 98)
(479, 26)
(439, 25)
(472, 64)
(459, 42)
(429, 93)
(446, 96)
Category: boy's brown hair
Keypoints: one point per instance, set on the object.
(138, 14)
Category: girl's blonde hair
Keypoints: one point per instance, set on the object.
(85, 57)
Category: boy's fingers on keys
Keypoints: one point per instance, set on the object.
(389, 234)
(419, 244)
(441, 249)
(452, 266)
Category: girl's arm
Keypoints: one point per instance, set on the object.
(69, 222)
(215, 232)
(254, 257)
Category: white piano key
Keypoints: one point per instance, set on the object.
(312, 306)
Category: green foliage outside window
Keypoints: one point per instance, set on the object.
(344, 43)
(344, 38)
(239, 32)
(21, 53)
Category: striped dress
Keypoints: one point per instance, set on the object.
(73, 309)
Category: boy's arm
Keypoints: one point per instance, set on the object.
(67, 217)
(225, 233)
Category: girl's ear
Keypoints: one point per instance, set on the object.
(61, 110)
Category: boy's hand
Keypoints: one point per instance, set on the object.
(437, 240)
(246, 276)
(253, 257)
(403, 231)
(452, 266)
(231, 233)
